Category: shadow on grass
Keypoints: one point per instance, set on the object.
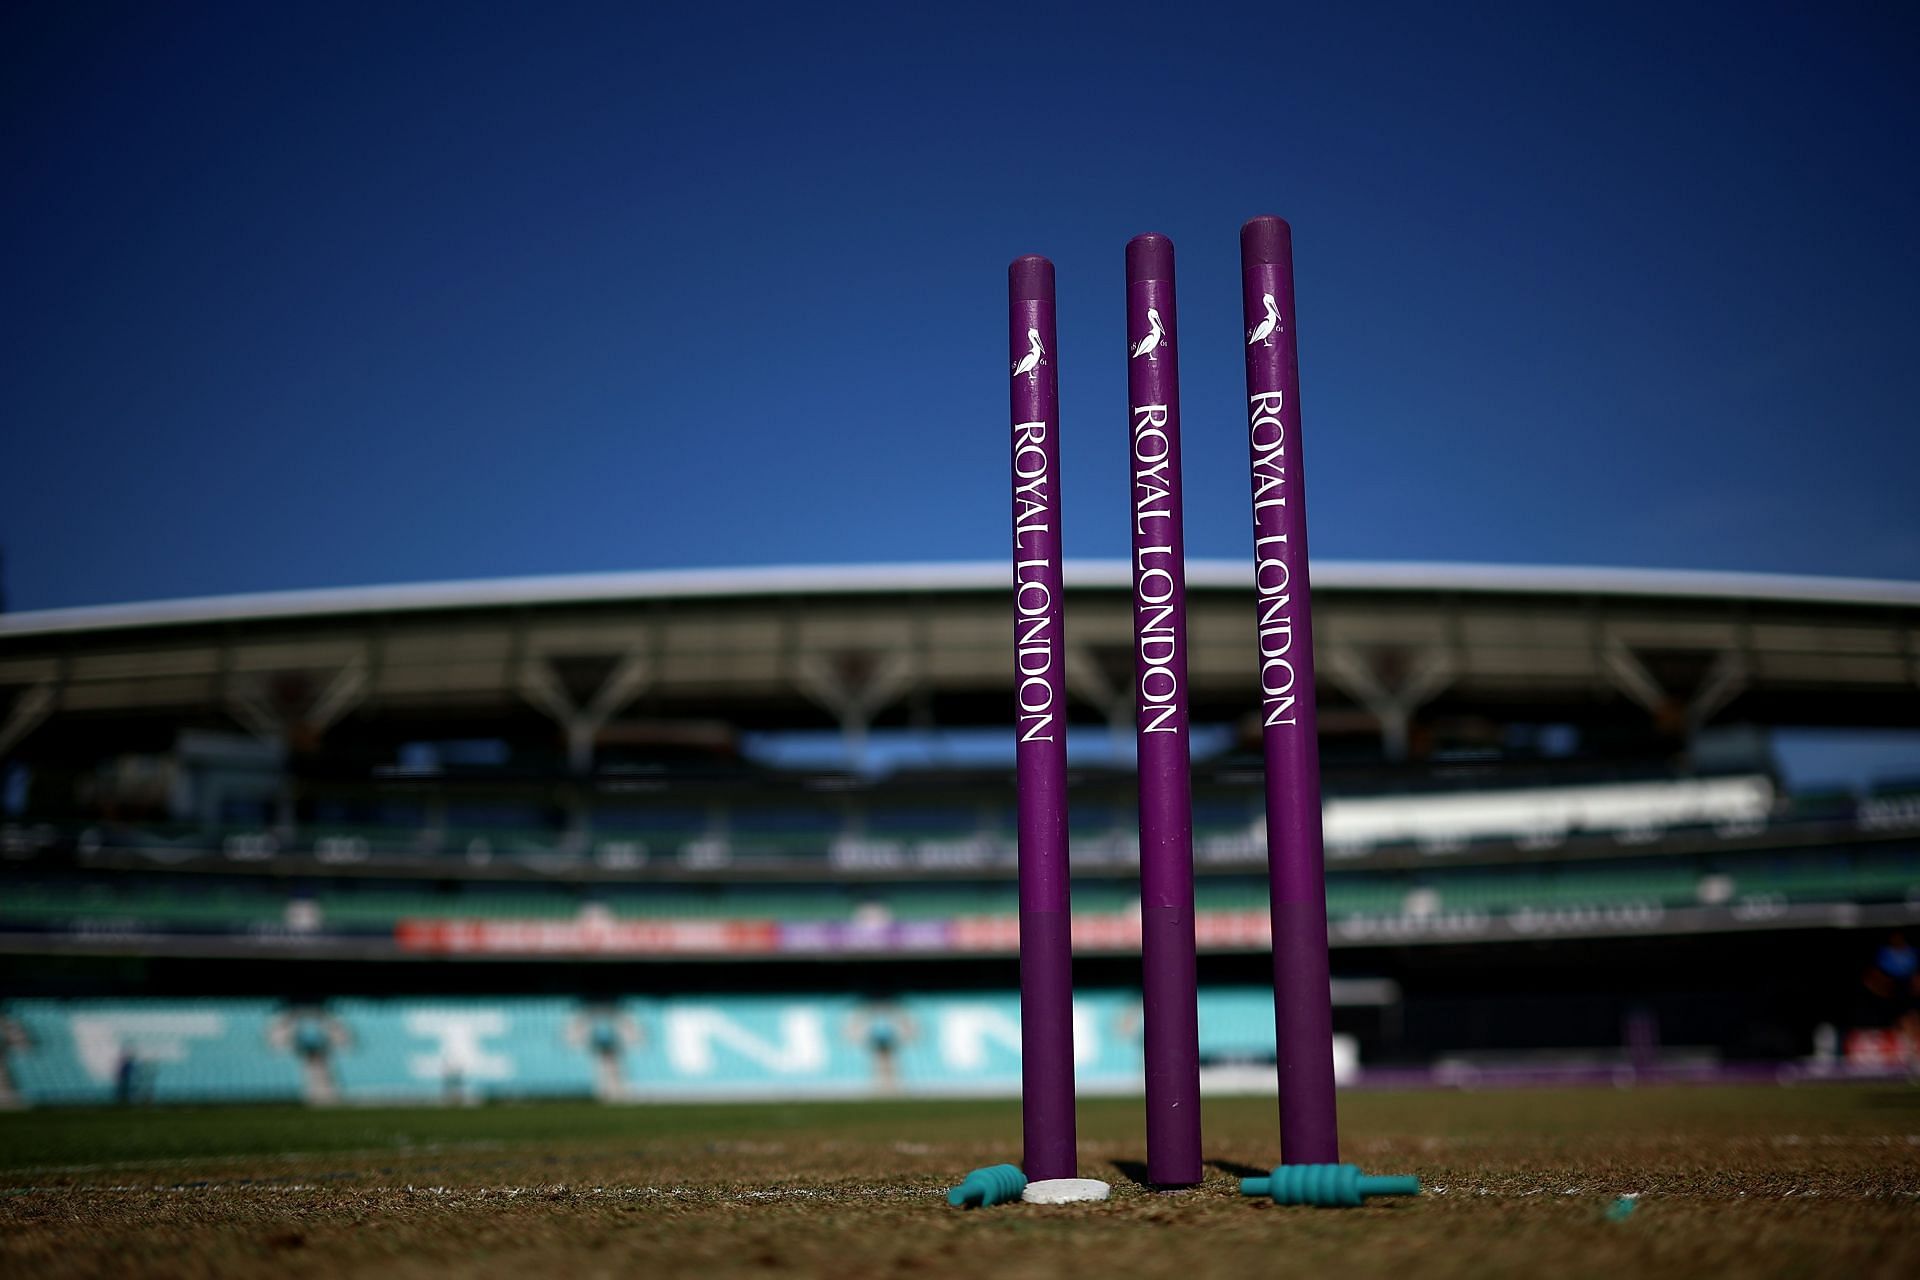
(1135, 1171)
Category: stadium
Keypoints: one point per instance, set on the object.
(442, 881)
(721, 850)
(747, 834)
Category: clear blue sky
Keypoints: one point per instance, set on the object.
(316, 295)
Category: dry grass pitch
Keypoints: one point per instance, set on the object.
(1808, 1181)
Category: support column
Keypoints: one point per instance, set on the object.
(1087, 678)
(582, 725)
(1725, 678)
(29, 709)
(854, 689)
(1393, 706)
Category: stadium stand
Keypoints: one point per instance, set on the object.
(1533, 778)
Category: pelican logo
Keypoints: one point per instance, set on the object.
(1148, 345)
(1035, 357)
(1264, 331)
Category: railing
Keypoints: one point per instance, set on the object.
(1454, 827)
(192, 911)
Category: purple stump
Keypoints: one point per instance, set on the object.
(1302, 999)
(1170, 1013)
(1046, 956)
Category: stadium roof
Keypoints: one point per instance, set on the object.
(870, 645)
(880, 579)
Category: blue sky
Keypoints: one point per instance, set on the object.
(320, 295)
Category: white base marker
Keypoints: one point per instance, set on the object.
(1065, 1191)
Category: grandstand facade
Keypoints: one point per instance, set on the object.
(656, 820)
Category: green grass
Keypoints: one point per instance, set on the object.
(39, 1139)
(36, 1139)
(1808, 1181)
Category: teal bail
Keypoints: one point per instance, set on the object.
(1327, 1186)
(984, 1188)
